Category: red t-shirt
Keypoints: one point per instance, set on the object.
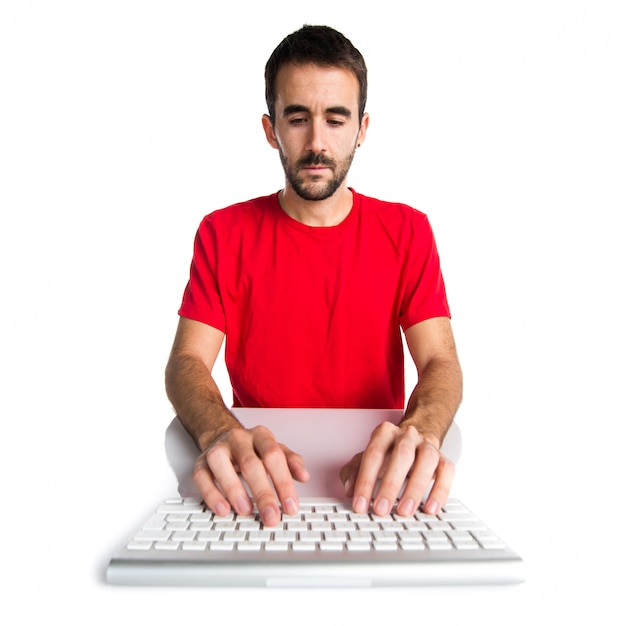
(312, 315)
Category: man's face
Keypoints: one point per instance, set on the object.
(316, 128)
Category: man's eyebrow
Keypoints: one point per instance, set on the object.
(300, 108)
(340, 111)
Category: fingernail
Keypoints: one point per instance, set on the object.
(406, 508)
(270, 516)
(290, 506)
(382, 507)
(220, 509)
(432, 508)
(360, 505)
(347, 485)
(243, 506)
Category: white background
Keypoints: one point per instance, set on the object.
(122, 123)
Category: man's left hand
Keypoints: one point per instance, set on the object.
(395, 454)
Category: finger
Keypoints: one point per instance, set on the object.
(246, 455)
(221, 465)
(371, 466)
(210, 493)
(296, 465)
(424, 469)
(441, 488)
(276, 464)
(348, 474)
(401, 460)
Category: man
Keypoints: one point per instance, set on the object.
(310, 287)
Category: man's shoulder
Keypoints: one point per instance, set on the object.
(240, 211)
(389, 209)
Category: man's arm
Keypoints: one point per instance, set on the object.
(410, 450)
(226, 446)
(190, 385)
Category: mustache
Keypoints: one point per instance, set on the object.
(316, 159)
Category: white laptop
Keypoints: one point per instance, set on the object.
(325, 544)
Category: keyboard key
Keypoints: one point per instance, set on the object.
(259, 535)
(335, 536)
(360, 536)
(181, 508)
(196, 546)
(488, 540)
(155, 522)
(385, 546)
(152, 535)
(469, 525)
(234, 535)
(386, 536)
(222, 546)
(249, 546)
(139, 545)
(210, 535)
(457, 516)
(166, 545)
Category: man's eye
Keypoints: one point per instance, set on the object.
(298, 121)
(336, 122)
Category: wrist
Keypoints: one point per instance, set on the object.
(428, 434)
(217, 431)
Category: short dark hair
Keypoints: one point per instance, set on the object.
(319, 45)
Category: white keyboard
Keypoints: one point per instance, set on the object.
(186, 524)
(206, 549)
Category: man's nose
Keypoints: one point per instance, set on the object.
(316, 140)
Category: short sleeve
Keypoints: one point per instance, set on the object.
(201, 299)
(424, 296)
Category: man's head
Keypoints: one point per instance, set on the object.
(315, 45)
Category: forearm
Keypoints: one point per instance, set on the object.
(435, 399)
(197, 399)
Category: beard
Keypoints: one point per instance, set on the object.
(315, 191)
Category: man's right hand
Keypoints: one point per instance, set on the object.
(268, 467)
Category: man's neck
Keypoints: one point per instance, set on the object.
(329, 212)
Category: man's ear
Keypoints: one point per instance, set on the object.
(268, 127)
(365, 122)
